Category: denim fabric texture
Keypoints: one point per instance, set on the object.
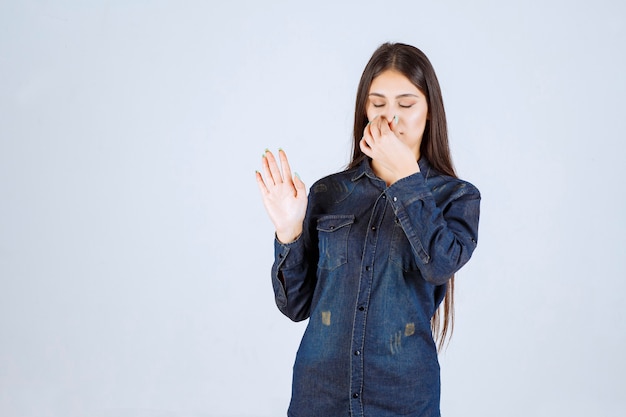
(369, 271)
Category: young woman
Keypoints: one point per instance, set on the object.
(370, 255)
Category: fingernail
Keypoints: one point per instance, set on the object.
(297, 175)
(266, 150)
(280, 149)
(395, 120)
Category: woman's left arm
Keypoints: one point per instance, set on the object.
(443, 234)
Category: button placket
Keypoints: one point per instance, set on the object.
(364, 290)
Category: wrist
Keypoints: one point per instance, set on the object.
(407, 170)
(288, 236)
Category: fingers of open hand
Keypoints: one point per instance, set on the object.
(261, 184)
(276, 183)
(284, 164)
(300, 186)
(271, 170)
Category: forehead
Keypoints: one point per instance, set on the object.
(392, 82)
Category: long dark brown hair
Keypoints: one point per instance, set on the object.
(414, 65)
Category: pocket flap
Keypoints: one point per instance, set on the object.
(333, 222)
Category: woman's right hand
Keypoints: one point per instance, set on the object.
(284, 196)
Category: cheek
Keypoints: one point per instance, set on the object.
(415, 120)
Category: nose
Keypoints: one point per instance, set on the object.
(388, 114)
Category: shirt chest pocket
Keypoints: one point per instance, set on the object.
(333, 232)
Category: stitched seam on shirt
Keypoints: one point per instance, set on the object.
(412, 236)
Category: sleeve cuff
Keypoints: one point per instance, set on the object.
(412, 188)
(289, 254)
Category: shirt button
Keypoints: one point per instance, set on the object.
(355, 395)
(384, 196)
(357, 352)
(395, 199)
(367, 268)
(373, 228)
(361, 308)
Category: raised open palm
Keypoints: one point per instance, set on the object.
(284, 196)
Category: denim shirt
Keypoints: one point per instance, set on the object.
(369, 271)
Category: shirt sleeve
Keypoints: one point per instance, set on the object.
(294, 275)
(444, 234)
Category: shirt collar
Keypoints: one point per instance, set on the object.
(365, 168)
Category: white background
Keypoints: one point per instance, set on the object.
(135, 251)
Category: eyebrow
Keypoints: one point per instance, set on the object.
(400, 96)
